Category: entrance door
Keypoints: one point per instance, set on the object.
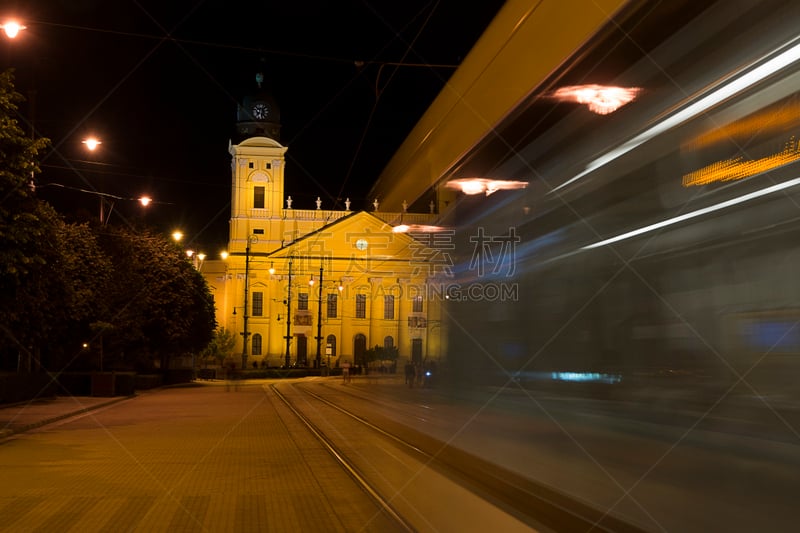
(359, 347)
(416, 351)
(302, 350)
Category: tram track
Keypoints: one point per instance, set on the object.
(535, 505)
(346, 464)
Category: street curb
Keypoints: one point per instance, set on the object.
(5, 433)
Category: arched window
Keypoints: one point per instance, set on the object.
(330, 342)
(255, 347)
(359, 347)
(388, 342)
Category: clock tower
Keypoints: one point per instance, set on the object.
(257, 170)
(258, 115)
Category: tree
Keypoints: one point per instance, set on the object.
(221, 346)
(62, 285)
(380, 353)
(81, 278)
(159, 304)
(27, 237)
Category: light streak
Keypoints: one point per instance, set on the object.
(731, 88)
(697, 213)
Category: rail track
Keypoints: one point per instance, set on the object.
(424, 484)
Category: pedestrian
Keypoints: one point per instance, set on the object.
(229, 374)
(409, 370)
(346, 372)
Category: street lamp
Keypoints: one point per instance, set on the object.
(319, 321)
(245, 333)
(196, 258)
(91, 144)
(340, 288)
(288, 336)
(12, 28)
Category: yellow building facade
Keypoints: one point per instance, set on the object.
(317, 287)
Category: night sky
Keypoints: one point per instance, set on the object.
(158, 83)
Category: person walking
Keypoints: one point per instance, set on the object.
(409, 370)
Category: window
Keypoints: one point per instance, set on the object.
(258, 232)
(333, 303)
(361, 306)
(330, 344)
(255, 348)
(388, 343)
(258, 197)
(302, 301)
(417, 304)
(258, 304)
(251, 164)
(267, 165)
(388, 307)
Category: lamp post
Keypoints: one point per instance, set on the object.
(319, 322)
(91, 144)
(245, 333)
(288, 336)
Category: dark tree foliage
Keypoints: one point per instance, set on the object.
(82, 277)
(159, 304)
(79, 297)
(27, 239)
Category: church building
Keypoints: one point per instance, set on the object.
(312, 287)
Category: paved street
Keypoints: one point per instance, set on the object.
(196, 458)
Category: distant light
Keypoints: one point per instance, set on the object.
(92, 143)
(418, 228)
(12, 28)
(177, 236)
(145, 200)
(472, 187)
(600, 99)
(483, 185)
(223, 255)
(201, 256)
(596, 377)
(189, 253)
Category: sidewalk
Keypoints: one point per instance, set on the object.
(24, 416)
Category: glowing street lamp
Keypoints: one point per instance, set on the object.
(600, 99)
(12, 28)
(472, 186)
(177, 235)
(145, 200)
(92, 143)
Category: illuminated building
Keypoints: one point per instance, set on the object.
(302, 285)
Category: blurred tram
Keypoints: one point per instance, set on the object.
(655, 246)
(618, 185)
(648, 249)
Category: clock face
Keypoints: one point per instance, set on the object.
(260, 110)
(361, 244)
